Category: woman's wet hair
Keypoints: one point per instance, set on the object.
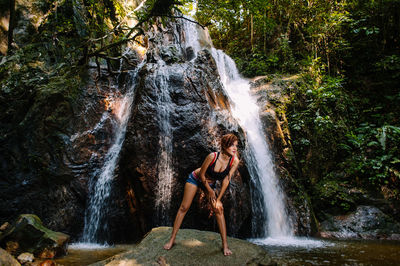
(228, 140)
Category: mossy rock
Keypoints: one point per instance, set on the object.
(31, 236)
(193, 247)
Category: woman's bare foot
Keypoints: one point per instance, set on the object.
(227, 251)
(169, 245)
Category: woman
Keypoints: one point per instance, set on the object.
(217, 166)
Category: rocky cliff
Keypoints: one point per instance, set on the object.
(55, 137)
(196, 103)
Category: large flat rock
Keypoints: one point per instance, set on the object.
(193, 247)
(7, 259)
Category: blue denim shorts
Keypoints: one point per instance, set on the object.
(193, 179)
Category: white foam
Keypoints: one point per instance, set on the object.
(82, 245)
(299, 242)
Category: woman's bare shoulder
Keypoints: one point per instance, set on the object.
(211, 154)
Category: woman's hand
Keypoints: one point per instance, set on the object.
(217, 204)
(211, 196)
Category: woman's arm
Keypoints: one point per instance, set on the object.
(227, 179)
(202, 174)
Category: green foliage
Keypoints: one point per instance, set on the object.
(375, 153)
(333, 148)
(279, 34)
(30, 86)
(390, 64)
(257, 64)
(72, 32)
(373, 32)
(334, 193)
(43, 5)
(27, 72)
(317, 114)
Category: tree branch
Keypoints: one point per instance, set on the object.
(188, 19)
(139, 30)
(112, 45)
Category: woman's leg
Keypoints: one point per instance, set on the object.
(188, 195)
(219, 215)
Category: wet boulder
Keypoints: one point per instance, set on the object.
(367, 222)
(28, 234)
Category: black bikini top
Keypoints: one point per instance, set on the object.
(218, 175)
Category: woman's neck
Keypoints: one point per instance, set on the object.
(225, 156)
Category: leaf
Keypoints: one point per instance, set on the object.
(395, 160)
(345, 147)
(372, 143)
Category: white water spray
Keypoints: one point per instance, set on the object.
(100, 188)
(164, 166)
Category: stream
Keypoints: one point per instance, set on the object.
(303, 252)
(339, 252)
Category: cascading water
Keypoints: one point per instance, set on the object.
(164, 166)
(268, 200)
(165, 108)
(267, 197)
(100, 184)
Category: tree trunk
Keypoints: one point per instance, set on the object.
(327, 56)
(11, 25)
(251, 31)
(265, 32)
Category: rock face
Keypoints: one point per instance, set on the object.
(192, 247)
(367, 222)
(51, 145)
(55, 131)
(180, 102)
(28, 234)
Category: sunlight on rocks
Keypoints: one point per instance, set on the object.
(130, 262)
(192, 243)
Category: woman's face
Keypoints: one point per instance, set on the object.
(232, 149)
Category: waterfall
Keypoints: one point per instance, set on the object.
(164, 166)
(163, 194)
(100, 183)
(268, 200)
(267, 197)
(164, 110)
